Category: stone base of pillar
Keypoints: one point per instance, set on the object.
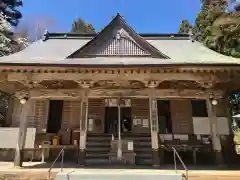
(19, 156)
(219, 158)
(161, 155)
(81, 157)
(156, 158)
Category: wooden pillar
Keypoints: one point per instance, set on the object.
(83, 130)
(153, 113)
(216, 141)
(19, 153)
(9, 111)
(46, 114)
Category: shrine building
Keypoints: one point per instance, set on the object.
(119, 96)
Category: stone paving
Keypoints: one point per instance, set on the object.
(39, 171)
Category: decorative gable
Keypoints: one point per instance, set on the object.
(117, 39)
(121, 45)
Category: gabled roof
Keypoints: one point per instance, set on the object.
(117, 39)
(179, 49)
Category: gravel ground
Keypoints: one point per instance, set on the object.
(39, 171)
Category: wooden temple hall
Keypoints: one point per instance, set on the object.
(120, 97)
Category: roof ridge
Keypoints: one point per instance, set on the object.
(70, 34)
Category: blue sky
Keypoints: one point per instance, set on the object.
(145, 16)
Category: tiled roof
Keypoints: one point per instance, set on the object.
(55, 51)
(58, 46)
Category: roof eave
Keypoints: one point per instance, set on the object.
(123, 65)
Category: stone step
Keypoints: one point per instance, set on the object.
(144, 149)
(99, 139)
(143, 161)
(98, 143)
(90, 146)
(116, 176)
(137, 138)
(144, 155)
(142, 145)
(99, 134)
(97, 155)
(136, 135)
(97, 151)
(95, 161)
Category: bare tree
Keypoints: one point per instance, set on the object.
(34, 28)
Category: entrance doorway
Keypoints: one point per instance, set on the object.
(54, 116)
(111, 120)
(126, 119)
(164, 116)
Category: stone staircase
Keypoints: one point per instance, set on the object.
(142, 148)
(117, 176)
(97, 149)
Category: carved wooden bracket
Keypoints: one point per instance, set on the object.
(3, 78)
(31, 84)
(152, 83)
(218, 94)
(207, 84)
(21, 94)
(85, 83)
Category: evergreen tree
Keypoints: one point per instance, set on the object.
(185, 27)
(217, 27)
(79, 26)
(9, 17)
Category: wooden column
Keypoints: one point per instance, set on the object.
(216, 141)
(83, 129)
(153, 115)
(19, 153)
(9, 111)
(46, 114)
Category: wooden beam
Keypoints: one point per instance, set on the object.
(56, 93)
(144, 93)
(95, 93)
(105, 76)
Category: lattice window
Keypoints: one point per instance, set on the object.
(122, 44)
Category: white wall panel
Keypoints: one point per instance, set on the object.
(9, 137)
(201, 125)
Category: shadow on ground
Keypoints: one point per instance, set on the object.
(164, 167)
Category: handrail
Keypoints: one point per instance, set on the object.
(50, 169)
(175, 153)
